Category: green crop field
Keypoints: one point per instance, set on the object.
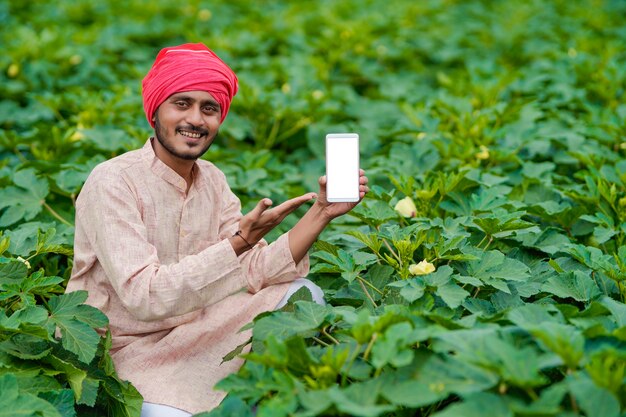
(484, 275)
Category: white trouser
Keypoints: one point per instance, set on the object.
(159, 410)
(316, 292)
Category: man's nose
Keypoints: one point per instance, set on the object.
(195, 117)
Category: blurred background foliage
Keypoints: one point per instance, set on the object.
(392, 70)
(502, 120)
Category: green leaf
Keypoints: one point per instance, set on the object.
(477, 405)
(410, 289)
(531, 315)
(89, 392)
(37, 283)
(25, 346)
(21, 404)
(37, 384)
(592, 257)
(500, 223)
(519, 365)
(438, 278)
(452, 294)
(594, 400)
(75, 376)
(359, 399)
(12, 273)
(315, 402)
(453, 375)
(25, 201)
(324, 246)
(232, 406)
(75, 320)
(413, 393)
(549, 240)
(391, 347)
(618, 310)
(379, 275)
(343, 262)
(549, 402)
(62, 400)
(45, 244)
(494, 269)
(307, 317)
(564, 340)
(577, 285)
(78, 338)
(374, 214)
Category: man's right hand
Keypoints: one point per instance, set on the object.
(262, 219)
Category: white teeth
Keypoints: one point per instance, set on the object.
(189, 134)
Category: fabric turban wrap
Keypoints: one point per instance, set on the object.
(188, 67)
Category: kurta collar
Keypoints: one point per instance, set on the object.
(165, 172)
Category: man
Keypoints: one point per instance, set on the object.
(164, 251)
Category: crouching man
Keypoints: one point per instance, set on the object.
(164, 251)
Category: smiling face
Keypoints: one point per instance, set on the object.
(185, 125)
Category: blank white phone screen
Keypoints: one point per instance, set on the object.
(342, 167)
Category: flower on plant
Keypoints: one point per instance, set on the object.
(483, 154)
(318, 94)
(406, 207)
(204, 15)
(13, 70)
(422, 268)
(76, 59)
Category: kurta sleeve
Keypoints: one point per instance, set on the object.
(265, 264)
(108, 211)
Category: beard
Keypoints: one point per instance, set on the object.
(161, 135)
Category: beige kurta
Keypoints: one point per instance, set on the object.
(156, 260)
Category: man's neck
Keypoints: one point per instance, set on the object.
(182, 167)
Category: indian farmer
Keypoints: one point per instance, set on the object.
(164, 251)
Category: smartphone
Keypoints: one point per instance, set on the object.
(342, 167)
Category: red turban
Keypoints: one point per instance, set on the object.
(188, 67)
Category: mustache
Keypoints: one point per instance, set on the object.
(193, 129)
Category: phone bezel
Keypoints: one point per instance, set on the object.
(334, 136)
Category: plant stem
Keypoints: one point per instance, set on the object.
(56, 215)
(368, 349)
(369, 284)
(367, 294)
(271, 137)
(481, 242)
(19, 154)
(293, 129)
(532, 394)
(395, 255)
(320, 341)
(328, 335)
(344, 377)
(571, 396)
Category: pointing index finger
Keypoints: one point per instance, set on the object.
(290, 205)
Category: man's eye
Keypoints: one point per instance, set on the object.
(210, 109)
(182, 104)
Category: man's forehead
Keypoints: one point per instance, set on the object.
(196, 95)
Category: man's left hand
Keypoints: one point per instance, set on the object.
(333, 210)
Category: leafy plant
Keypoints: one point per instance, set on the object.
(502, 123)
(45, 373)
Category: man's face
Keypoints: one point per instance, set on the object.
(186, 123)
